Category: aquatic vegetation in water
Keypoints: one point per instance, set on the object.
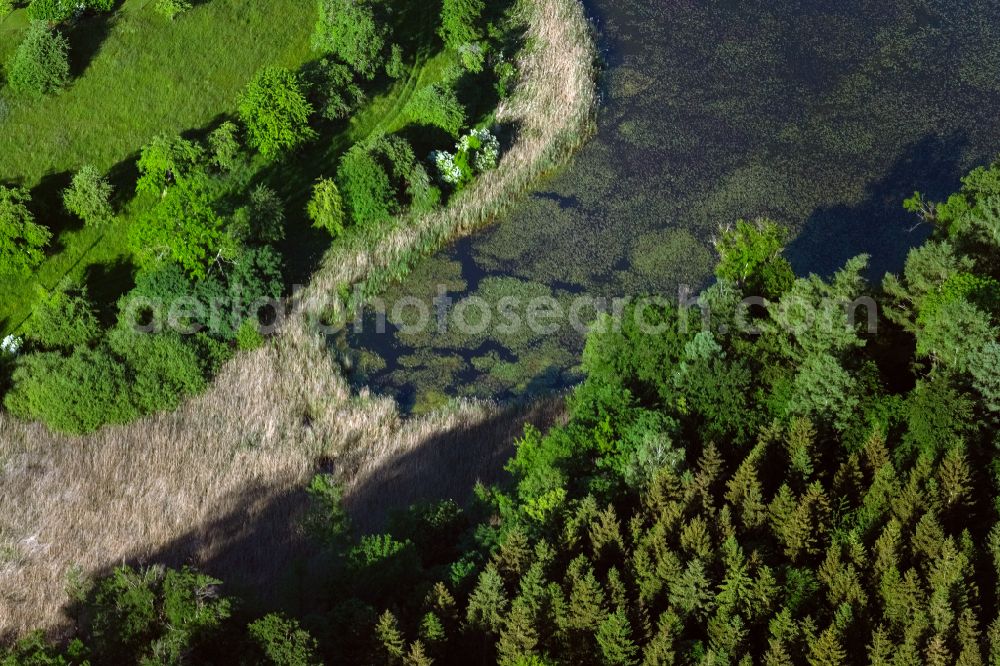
(822, 117)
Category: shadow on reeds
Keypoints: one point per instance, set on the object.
(260, 550)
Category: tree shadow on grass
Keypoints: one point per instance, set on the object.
(414, 25)
(47, 205)
(123, 177)
(106, 283)
(879, 226)
(86, 36)
(425, 138)
(292, 178)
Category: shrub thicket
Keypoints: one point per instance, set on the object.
(368, 193)
(333, 88)
(351, 31)
(437, 105)
(63, 319)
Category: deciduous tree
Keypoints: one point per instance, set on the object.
(22, 240)
(276, 112)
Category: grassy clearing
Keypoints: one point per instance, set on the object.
(51, 138)
(135, 75)
(171, 481)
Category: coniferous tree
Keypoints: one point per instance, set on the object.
(22, 240)
(827, 650)
(587, 601)
(417, 656)
(614, 637)
(40, 63)
(518, 638)
(392, 643)
(488, 602)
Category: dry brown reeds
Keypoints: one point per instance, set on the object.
(193, 484)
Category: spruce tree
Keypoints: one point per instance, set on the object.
(393, 645)
(880, 648)
(514, 555)
(518, 638)
(488, 602)
(826, 650)
(937, 652)
(586, 602)
(744, 490)
(691, 591)
(955, 479)
(606, 536)
(40, 64)
(432, 630)
(22, 240)
(614, 637)
(695, 539)
(417, 656)
(798, 445)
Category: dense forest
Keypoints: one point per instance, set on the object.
(774, 483)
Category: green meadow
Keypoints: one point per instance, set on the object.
(137, 74)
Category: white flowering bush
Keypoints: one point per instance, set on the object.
(475, 152)
(447, 169)
(11, 345)
(487, 156)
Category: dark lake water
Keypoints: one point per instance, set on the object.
(823, 116)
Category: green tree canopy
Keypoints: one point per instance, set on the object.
(350, 30)
(326, 207)
(167, 160)
(22, 240)
(750, 255)
(184, 228)
(437, 105)
(334, 89)
(40, 64)
(460, 22)
(367, 190)
(89, 197)
(276, 112)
